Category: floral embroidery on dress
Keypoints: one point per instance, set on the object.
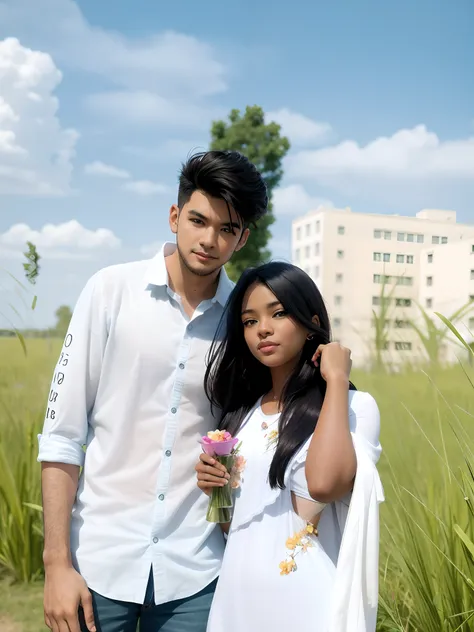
(272, 439)
(300, 542)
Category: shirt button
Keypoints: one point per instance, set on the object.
(173, 410)
(190, 327)
(168, 452)
(181, 365)
(161, 496)
(155, 540)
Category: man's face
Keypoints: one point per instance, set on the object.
(207, 234)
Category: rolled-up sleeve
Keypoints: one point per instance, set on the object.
(75, 380)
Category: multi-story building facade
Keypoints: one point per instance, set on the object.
(355, 258)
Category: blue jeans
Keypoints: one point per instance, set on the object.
(182, 615)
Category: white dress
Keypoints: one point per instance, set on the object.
(252, 593)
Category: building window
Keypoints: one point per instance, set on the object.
(307, 252)
(400, 258)
(403, 302)
(385, 345)
(403, 346)
(430, 257)
(410, 259)
(471, 297)
(435, 240)
(340, 254)
(400, 236)
(472, 249)
(420, 239)
(316, 272)
(444, 240)
(338, 300)
(297, 254)
(386, 257)
(336, 322)
(403, 280)
(298, 233)
(387, 235)
(472, 275)
(429, 303)
(318, 226)
(341, 230)
(308, 230)
(377, 256)
(410, 237)
(377, 278)
(316, 249)
(375, 300)
(471, 324)
(429, 281)
(339, 278)
(377, 234)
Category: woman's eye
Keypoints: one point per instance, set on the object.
(280, 314)
(246, 323)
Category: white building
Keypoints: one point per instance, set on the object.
(353, 257)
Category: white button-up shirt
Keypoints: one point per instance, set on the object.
(129, 387)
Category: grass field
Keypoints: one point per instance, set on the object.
(427, 568)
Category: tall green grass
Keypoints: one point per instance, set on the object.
(427, 525)
(427, 565)
(24, 382)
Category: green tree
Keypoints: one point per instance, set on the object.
(63, 317)
(263, 145)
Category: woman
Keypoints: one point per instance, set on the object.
(296, 554)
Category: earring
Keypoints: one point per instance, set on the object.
(310, 337)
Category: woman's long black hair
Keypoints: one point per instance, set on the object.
(235, 379)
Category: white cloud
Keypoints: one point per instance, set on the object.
(69, 240)
(35, 151)
(295, 200)
(409, 154)
(167, 58)
(146, 108)
(300, 129)
(98, 168)
(145, 187)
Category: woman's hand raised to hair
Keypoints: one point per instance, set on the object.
(334, 361)
(210, 474)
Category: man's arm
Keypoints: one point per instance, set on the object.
(65, 590)
(70, 401)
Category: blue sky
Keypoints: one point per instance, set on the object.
(101, 101)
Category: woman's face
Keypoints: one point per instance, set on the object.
(272, 336)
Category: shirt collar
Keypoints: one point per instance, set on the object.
(157, 275)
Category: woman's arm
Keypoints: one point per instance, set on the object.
(331, 461)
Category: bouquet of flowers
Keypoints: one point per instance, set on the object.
(223, 447)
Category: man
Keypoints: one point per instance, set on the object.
(129, 386)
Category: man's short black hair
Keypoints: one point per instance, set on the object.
(228, 175)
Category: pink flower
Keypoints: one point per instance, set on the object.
(218, 443)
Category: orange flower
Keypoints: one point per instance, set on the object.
(287, 567)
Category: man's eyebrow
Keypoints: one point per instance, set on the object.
(201, 216)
